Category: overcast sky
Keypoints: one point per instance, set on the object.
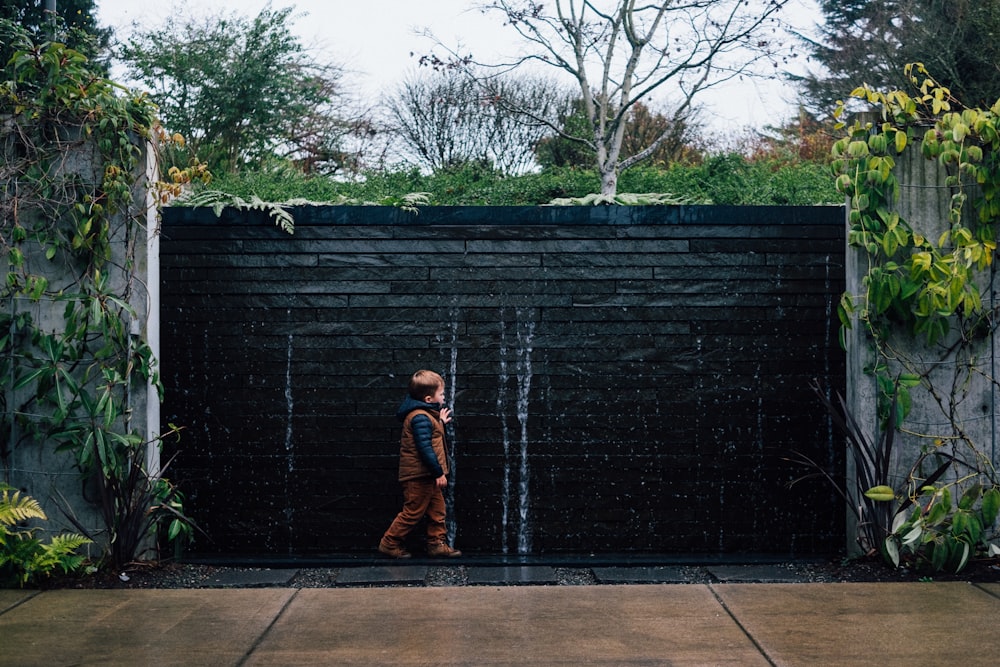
(374, 40)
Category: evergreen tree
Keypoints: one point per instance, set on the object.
(75, 26)
(871, 41)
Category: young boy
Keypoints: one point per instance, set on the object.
(423, 467)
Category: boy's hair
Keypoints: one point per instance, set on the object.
(425, 383)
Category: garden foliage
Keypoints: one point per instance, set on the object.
(74, 351)
(723, 180)
(24, 557)
(922, 311)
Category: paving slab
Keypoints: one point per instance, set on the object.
(383, 574)
(251, 578)
(586, 626)
(883, 624)
(641, 575)
(524, 574)
(835, 624)
(768, 574)
(166, 628)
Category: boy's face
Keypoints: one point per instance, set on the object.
(438, 396)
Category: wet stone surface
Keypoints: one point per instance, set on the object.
(526, 305)
(646, 575)
(250, 578)
(151, 575)
(512, 575)
(771, 574)
(412, 575)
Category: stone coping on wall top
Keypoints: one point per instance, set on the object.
(518, 215)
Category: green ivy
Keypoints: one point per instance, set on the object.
(928, 286)
(927, 283)
(71, 376)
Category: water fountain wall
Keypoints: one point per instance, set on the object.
(625, 380)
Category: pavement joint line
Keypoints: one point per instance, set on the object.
(987, 591)
(743, 629)
(20, 602)
(262, 635)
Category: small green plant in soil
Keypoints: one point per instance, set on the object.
(24, 557)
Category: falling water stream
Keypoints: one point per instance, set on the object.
(505, 437)
(525, 330)
(451, 381)
(525, 333)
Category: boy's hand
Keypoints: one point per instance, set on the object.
(441, 481)
(445, 414)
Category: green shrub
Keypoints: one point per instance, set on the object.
(723, 180)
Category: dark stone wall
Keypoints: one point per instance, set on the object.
(625, 380)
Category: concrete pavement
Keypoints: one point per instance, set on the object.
(829, 624)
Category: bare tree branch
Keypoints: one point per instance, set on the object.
(623, 52)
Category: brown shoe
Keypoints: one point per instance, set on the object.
(392, 551)
(442, 550)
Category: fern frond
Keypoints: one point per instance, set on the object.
(278, 211)
(623, 199)
(410, 201)
(63, 545)
(15, 507)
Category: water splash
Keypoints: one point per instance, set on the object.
(525, 334)
(505, 437)
(830, 310)
(289, 442)
(289, 406)
(451, 524)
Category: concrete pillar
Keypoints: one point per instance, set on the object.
(961, 410)
(48, 475)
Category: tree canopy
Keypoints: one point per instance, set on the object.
(243, 91)
(872, 41)
(597, 85)
(75, 25)
(673, 136)
(444, 119)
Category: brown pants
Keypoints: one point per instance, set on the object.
(421, 497)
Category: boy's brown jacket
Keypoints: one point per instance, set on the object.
(411, 465)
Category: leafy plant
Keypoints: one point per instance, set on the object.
(766, 183)
(872, 469)
(940, 535)
(922, 312)
(279, 212)
(929, 285)
(135, 504)
(918, 520)
(74, 354)
(24, 558)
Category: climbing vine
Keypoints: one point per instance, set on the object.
(921, 305)
(72, 332)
